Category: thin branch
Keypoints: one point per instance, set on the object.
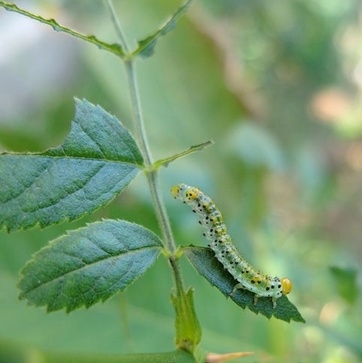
(116, 24)
(164, 162)
(113, 48)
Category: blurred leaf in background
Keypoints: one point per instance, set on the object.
(345, 282)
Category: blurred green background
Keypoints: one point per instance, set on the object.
(277, 85)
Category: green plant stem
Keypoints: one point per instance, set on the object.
(188, 331)
(183, 305)
(152, 175)
(137, 112)
(117, 25)
(154, 185)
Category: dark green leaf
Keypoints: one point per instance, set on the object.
(203, 259)
(346, 282)
(146, 47)
(96, 161)
(88, 265)
(113, 48)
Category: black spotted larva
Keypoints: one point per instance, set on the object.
(220, 242)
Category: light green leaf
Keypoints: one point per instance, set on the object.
(255, 146)
(21, 353)
(188, 330)
(346, 282)
(204, 261)
(113, 48)
(146, 47)
(164, 162)
(88, 265)
(96, 161)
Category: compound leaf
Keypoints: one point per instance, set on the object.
(88, 265)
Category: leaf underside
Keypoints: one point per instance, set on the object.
(97, 160)
(88, 265)
(204, 261)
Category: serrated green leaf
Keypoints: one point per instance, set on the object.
(95, 134)
(146, 47)
(204, 261)
(96, 161)
(113, 48)
(88, 265)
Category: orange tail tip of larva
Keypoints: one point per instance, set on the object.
(286, 286)
(175, 190)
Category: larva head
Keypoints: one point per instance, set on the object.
(184, 192)
(175, 191)
(286, 286)
(179, 191)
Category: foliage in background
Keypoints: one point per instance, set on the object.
(298, 196)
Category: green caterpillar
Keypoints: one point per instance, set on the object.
(220, 242)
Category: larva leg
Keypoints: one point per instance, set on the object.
(274, 300)
(256, 297)
(238, 286)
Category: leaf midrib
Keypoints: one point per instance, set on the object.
(68, 192)
(89, 265)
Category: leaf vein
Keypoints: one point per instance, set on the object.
(51, 202)
(88, 265)
(97, 144)
(26, 186)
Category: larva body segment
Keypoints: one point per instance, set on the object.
(220, 242)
